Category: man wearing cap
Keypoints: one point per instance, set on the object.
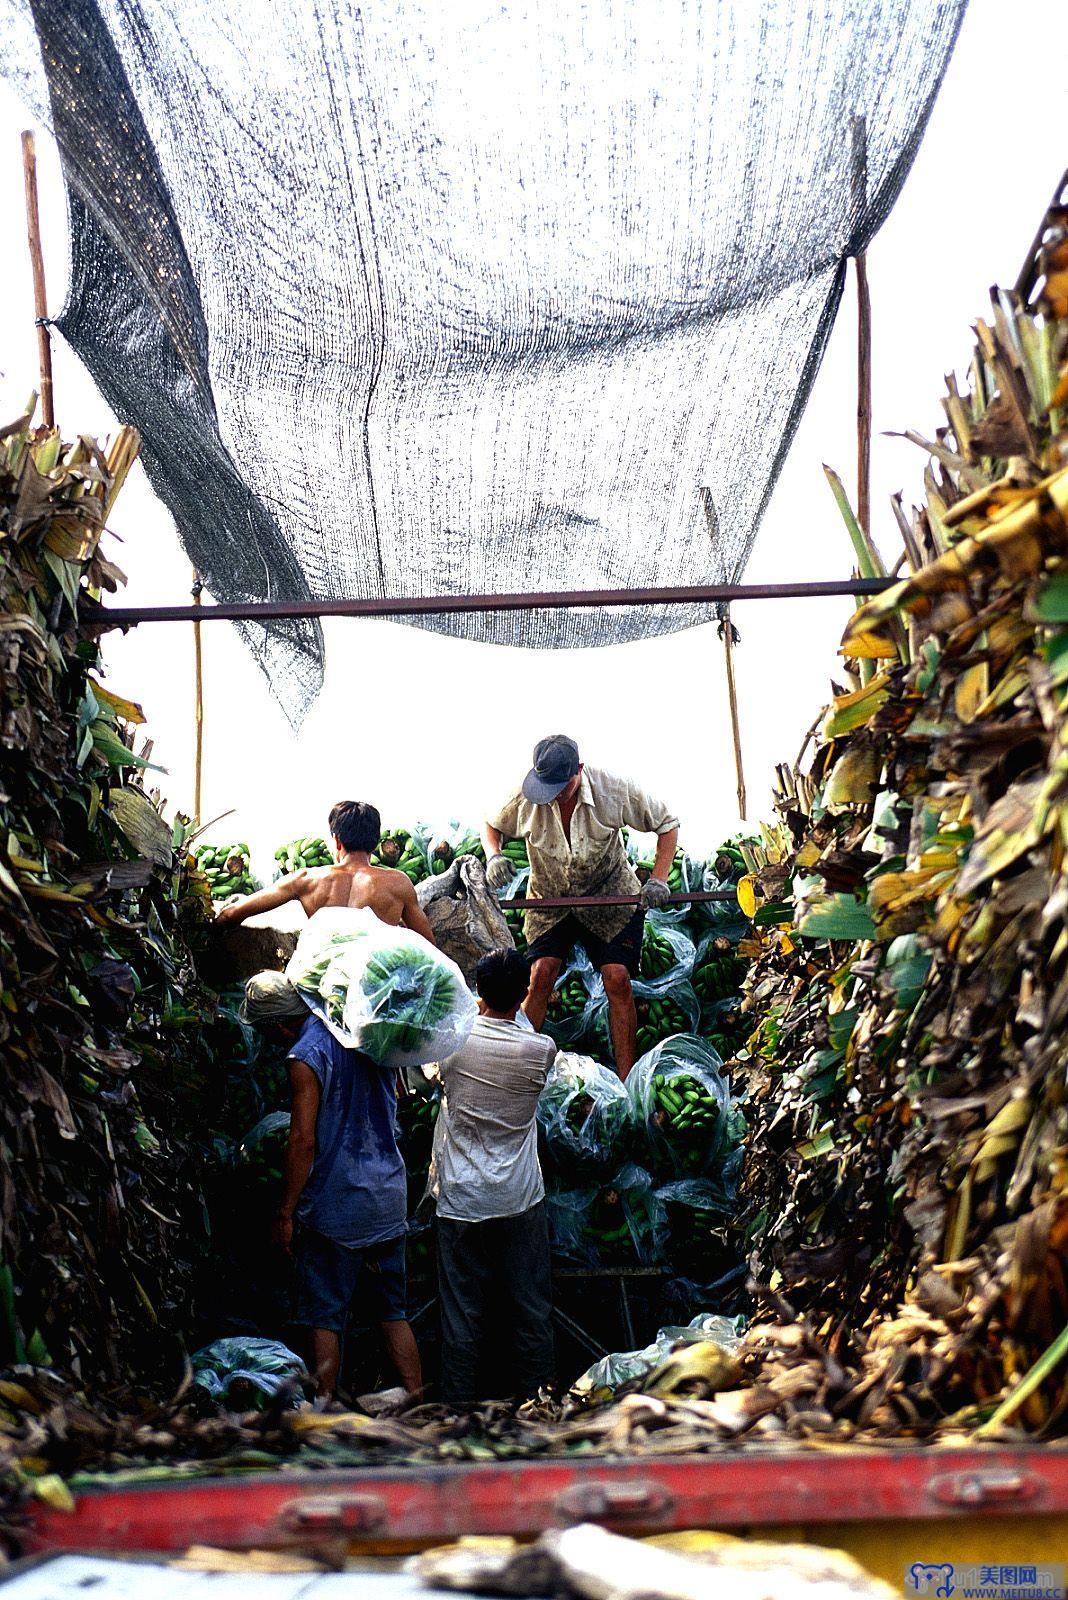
(570, 816)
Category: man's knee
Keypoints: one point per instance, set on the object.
(544, 973)
(616, 981)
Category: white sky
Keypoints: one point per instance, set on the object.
(436, 728)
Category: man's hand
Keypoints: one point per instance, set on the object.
(655, 892)
(499, 872)
(282, 1232)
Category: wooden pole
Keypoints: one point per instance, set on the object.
(40, 299)
(198, 706)
(863, 395)
(726, 633)
(727, 630)
(860, 266)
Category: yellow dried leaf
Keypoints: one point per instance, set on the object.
(747, 895)
(970, 690)
(125, 710)
(54, 1492)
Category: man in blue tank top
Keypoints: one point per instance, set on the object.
(344, 1201)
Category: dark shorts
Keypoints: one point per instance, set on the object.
(625, 950)
(328, 1275)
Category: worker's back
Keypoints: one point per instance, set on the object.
(377, 889)
(485, 1160)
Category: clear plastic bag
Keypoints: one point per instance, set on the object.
(619, 1223)
(681, 1102)
(668, 954)
(612, 1372)
(697, 1211)
(385, 991)
(718, 916)
(583, 1115)
(578, 1005)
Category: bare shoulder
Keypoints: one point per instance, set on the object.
(398, 880)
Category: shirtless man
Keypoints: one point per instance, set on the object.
(355, 829)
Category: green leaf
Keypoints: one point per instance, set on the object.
(822, 1145)
(1055, 651)
(85, 747)
(840, 1027)
(114, 751)
(1051, 602)
(838, 917)
(773, 913)
(66, 573)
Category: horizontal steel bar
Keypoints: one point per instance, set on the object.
(422, 605)
(573, 902)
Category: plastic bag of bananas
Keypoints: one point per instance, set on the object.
(680, 1101)
(583, 1118)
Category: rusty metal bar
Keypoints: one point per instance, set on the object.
(573, 902)
(423, 605)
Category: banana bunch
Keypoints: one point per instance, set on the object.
(302, 853)
(720, 973)
(605, 1230)
(399, 849)
(729, 862)
(677, 875)
(417, 1112)
(569, 999)
(442, 856)
(684, 1115)
(516, 851)
(227, 869)
(658, 1018)
(695, 1230)
(470, 844)
(391, 847)
(658, 954)
(409, 995)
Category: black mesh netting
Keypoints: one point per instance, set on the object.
(448, 296)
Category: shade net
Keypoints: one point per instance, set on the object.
(433, 297)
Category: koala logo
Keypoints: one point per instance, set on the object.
(927, 1578)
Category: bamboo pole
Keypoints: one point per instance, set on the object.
(40, 299)
(727, 630)
(198, 705)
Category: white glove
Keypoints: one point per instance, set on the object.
(655, 892)
(499, 871)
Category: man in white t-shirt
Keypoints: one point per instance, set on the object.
(493, 1238)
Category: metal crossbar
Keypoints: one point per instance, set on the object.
(440, 605)
(573, 902)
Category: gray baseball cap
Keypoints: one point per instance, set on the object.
(556, 760)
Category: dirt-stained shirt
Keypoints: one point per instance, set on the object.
(594, 861)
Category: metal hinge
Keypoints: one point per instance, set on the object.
(981, 1487)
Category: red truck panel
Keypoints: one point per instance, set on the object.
(433, 1503)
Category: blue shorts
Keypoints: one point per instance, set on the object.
(328, 1275)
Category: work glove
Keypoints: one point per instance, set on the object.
(655, 892)
(499, 872)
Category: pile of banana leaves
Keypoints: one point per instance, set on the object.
(908, 1151)
(108, 1040)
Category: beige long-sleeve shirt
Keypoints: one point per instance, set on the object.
(593, 861)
